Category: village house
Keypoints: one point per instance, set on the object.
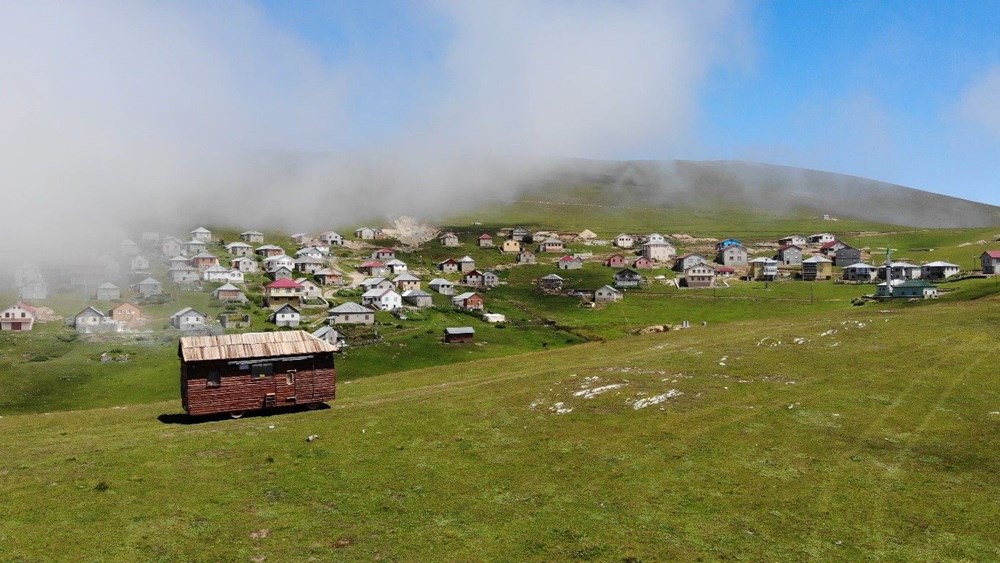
(607, 294)
(229, 292)
(733, 255)
(202, 234)
(830, 249)
(330, 335)
(725, 271)
(234, 276)
(365, 233)
(901, 271)
(406, 281)
(628, 278)
(846, 255)
(655, 238)
(990, 261)
(659, 251)
(525, 257)
(19, 316)
(204, 260)
(375, 268)
(128, 247)
(417, 298)
(299, 238)
(466, 264)
(312, 252)
(586, 235)
(36, 289)
(763, 269)
(701, 274)
(396, 266)
(615, 261)
(269, 251)
(178, 261)
(642, 263)
(817, 268)
(520, 234)
(384, 254)
(790, 255)
(485, 240)
(244, 264)
(286, 316)
(551, 245)
(510, 246)
(239, 249)
(624, 241)
(442, 286)
(147, 288)
(448, 239)
(139, 264)
(551, 282)
(369, 284)
(351, 313)
(193, 247)
(310, 290)
(281, 261)
(937, 271)
(188, 318)
(383, 299)
(723, 244)
(473, 278)
(331, 238)
(329, 276)
(686, 261)
(282, 291)
(183, 274)
(794, 240)
(907, 289)
(820, 238)
(468, 301)
(449, 266)
(127, 314)
(459, 334)
(860, 272)
(91, 320)
(309, 265)
(569, 263)
(108, 292)
(171, 246)
(215, 273)
(252, 237)
(281, 272)
(490, 279)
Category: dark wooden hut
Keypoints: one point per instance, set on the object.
(235, 373)
(459, 334)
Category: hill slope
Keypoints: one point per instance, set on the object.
(775, 442)
(694, 184)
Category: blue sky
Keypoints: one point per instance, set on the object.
(878, 89)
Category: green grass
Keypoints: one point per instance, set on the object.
(877, 441)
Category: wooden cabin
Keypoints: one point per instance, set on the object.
(235, 373)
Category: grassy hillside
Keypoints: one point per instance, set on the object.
(850, 434)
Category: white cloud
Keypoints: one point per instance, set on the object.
(979, 103)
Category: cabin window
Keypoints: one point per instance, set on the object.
(260, 371)
(290, 377)
(213, 379)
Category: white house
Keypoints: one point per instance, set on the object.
(384, 299)
(938, 270)
(624, 241)
(286, 316)
(17, 317)
(202, 234)
(188, 319)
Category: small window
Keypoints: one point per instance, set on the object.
(290, 377)
(260, 371)
(213, 379)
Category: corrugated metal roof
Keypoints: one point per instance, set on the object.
(250, 345)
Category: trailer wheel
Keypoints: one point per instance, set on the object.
(236, 414)
(313, 406)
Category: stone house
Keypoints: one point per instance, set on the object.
(351, 313)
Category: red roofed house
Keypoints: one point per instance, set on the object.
(831, 248)
(372, 268)
(17, 317)
(384, 254)
(448, 266)
(485, 241)
(991, 262)
(570, 263)
(283, 292)
(615, 261)
(642, 263)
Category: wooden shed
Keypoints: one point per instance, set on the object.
(459, 334)
(235, 373)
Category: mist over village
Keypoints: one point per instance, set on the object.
(506, 281)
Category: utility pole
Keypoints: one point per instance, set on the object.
(888, 269)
